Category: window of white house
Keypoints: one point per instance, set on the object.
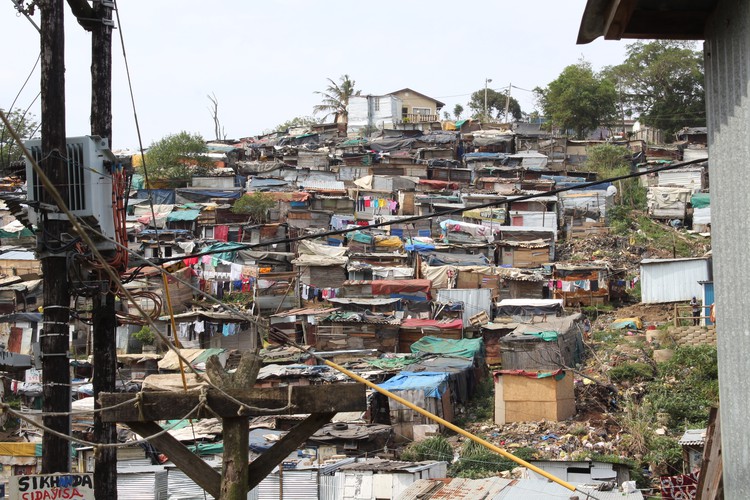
(421, 111)
(376, 104)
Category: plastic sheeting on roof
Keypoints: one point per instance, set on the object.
(320, 260)
(443, 259)
(432, 323)
(433, 384)
(387, 287)
(183, 215)
(476, 230)
(313, 248)
(193, 356)
(157, 196)
(464, 348)
(701, 200)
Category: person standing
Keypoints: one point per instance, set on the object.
(696, 311)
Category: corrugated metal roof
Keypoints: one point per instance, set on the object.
(469, 489)
(322, 185)
(381, 465)
(363, 300)
(18, 255)
(663, 261)
(693, 437)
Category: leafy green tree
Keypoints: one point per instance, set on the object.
(496, 102)
(457, 111)
(25, 126)
(256, 205)
(662, 81)
(608, 160)
(297, 121)
(177, 157)
(335, 99)
(579, 99)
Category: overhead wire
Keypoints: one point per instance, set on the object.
(114, 277)
(74, 221)
(442, 213)
(150, 197)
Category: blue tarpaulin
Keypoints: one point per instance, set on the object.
(432, 383)
(158, 196)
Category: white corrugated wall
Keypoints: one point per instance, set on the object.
(690, 179)
(475, 300)
(672, 281)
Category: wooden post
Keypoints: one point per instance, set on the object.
(319, 401)
(105, 324)
(234, 473)
(54, 339)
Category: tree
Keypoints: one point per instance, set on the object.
(579, 99)
(25, 126)
(457, 110)
(336, 99)
(177, 157)
(297, 121)
(608, 160)
(214, 110)
(256, 205)
(496, 102)
(663, 82)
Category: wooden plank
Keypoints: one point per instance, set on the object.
(234, 468)
(710, 482)
(164, 405)
(264, 465)
(191, 464)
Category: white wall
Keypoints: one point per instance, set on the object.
(672, 280)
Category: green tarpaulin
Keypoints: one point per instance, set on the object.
(546, 336)
(701, 200)
(465, 348)
(183, 215)
(21, 234)
(391, 363)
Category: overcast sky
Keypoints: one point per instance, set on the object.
(264, 60)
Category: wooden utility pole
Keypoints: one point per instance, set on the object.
(54, 337)
(104, 321)
(237, 477)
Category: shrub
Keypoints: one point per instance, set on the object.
(476, 461)
(434, 448)
(633, 372)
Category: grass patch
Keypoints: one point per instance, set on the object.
(434, 448)
(478, 462)
(632, 372)
(481, 407)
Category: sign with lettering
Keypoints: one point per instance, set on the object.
(52, 487)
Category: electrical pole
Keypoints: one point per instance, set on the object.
(55, 337)
(486, 81)
(104, 321)
(507, 102)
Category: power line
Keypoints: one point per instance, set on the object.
(452, 211)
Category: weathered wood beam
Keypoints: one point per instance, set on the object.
(264, 464)
(192, 465)
(85, 14)
(234, 469)
(164, 405)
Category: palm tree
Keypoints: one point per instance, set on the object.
(336, 99)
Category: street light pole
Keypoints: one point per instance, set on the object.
(486, 81)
